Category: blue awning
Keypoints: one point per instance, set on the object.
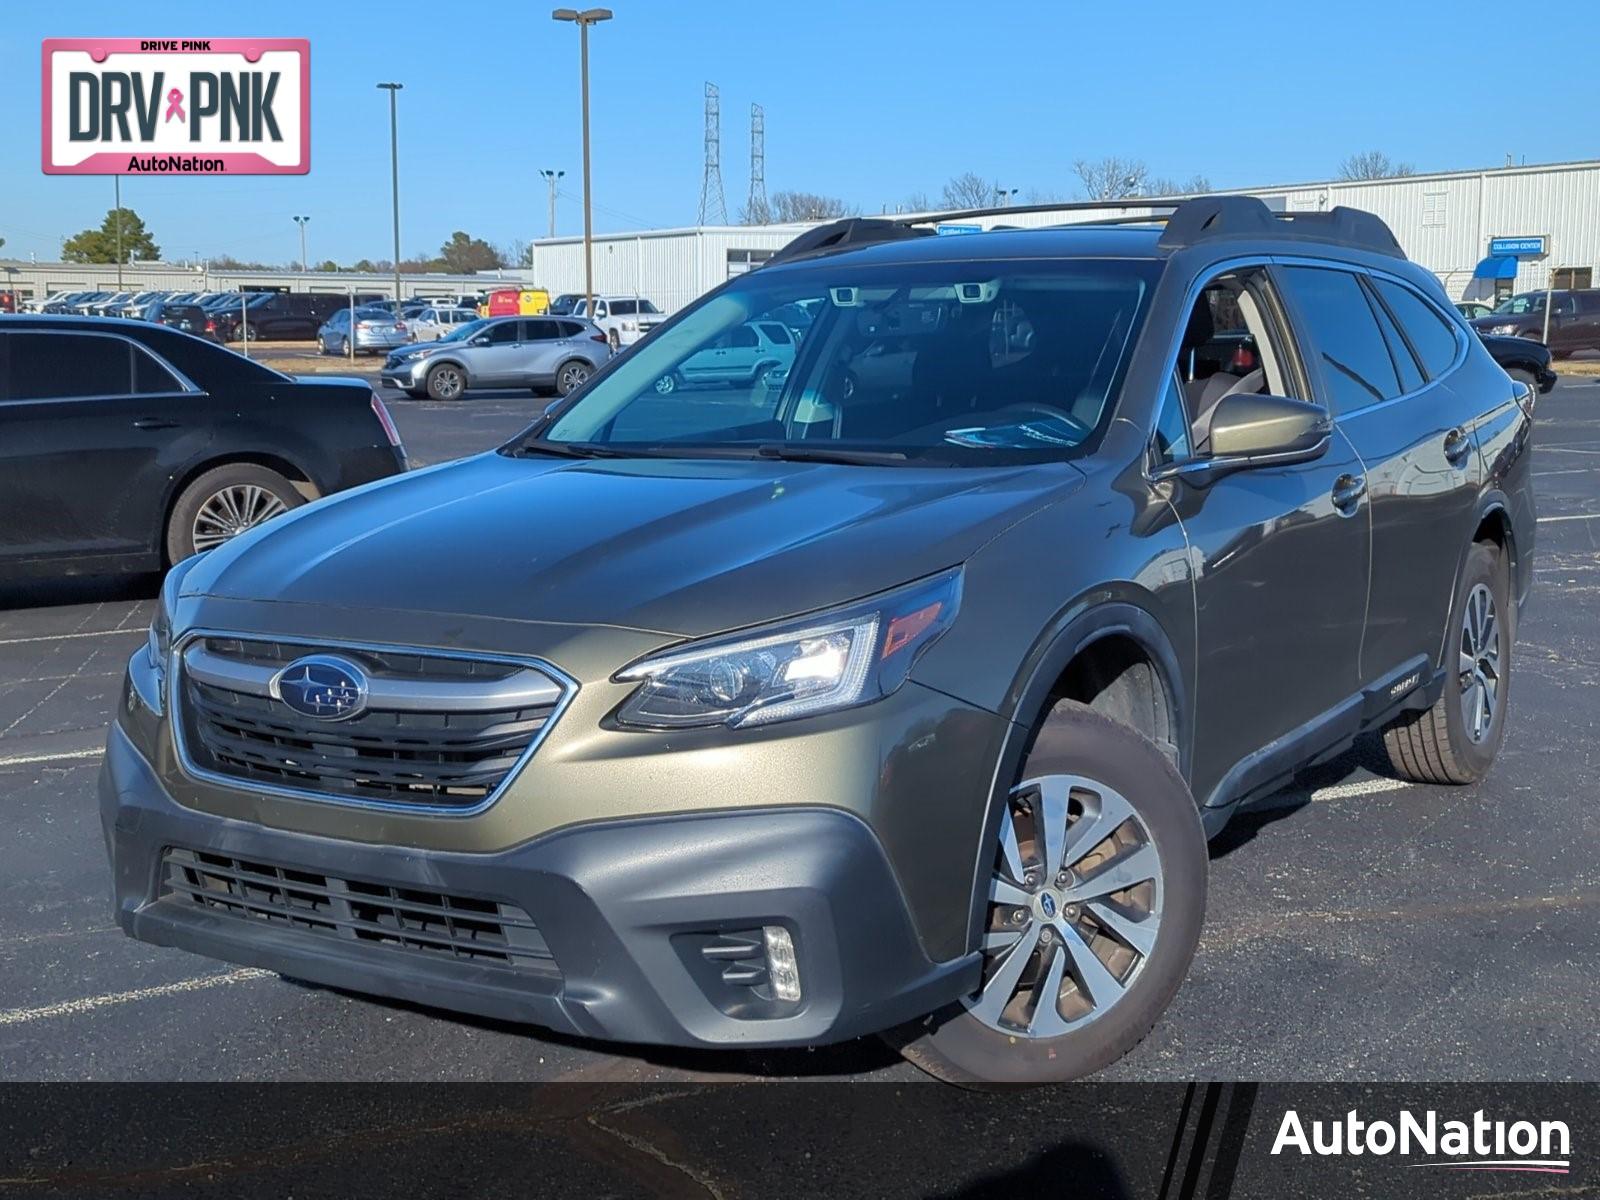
(1496, 268)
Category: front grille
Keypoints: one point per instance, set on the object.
(438, 733)
(464, 928)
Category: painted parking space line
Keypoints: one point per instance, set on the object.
(23, 760)
(1578, 517)
(1361, 787)
(73, 1008)
(62, 637)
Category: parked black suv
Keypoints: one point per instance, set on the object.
(126, 445)
(277, 316)
(894, 692)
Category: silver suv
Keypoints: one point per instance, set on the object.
(531, 352)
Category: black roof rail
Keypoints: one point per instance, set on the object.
(845, 235)
(1195, 221)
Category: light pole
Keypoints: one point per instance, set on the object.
(584, 19)
(301, 221)
(117, 213)
(1002, 194)
(552, 177)
(394, 177)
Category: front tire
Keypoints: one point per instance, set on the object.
(446, 381)
(1457, 739)
(1099, 885)
(223, 503)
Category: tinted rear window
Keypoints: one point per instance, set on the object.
(1430, 336)
(1343, 337)
(211, 366)
(48, 366)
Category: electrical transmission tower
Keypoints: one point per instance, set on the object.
(713, 208)
(756, 211)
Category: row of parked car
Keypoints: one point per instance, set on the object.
(1573, 327)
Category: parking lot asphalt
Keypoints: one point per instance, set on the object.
(1358, 927)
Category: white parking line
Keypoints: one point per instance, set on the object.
(72, 1008)
(1362, 787)
(1579, 517)
(22, 760)
(61, 637)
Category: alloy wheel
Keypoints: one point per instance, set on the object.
(666, 385)
(1480, 663)
(573, 376)
(231, 511)
(1074, 907)
(446, 383)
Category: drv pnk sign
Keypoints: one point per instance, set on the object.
(167, 106)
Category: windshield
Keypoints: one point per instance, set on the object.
(462, 332)
(943, 362)
(1526, 303)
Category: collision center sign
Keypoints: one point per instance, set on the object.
(209, 106)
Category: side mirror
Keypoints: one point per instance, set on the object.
(1251, 425)
(1248, 430)
(481, 340)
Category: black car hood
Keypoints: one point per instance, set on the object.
(674, 546)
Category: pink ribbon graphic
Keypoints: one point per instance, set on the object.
(175, 105)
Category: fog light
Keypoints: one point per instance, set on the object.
(782, 968)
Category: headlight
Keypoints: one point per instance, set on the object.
(1504, 329)
(829, 661)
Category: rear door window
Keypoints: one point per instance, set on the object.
(1339, 332)
(1430, 335)
(1405, 363)
(53, 366)
(539, 331)
(776, 333)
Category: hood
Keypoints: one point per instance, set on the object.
(674, 546)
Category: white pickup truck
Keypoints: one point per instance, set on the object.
(625, 319)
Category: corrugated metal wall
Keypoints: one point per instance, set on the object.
(1444, 222)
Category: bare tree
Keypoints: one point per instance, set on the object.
(967, 190)
(1374, 164)
(1037, 195)
(1112, 178)
(915, 202)
(1163, 185)
(806, 206)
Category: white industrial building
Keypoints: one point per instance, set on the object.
(1447, 222)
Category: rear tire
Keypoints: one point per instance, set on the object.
(1457, 739)
(1114, 959)
(224, 502)
(572, 375)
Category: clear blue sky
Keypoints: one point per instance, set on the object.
(868, 101)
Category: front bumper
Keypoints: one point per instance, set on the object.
(407, 373)
(626, 907)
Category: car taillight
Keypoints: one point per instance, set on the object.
(363, 325)
(399, 326)
(211, 326)
(597, 337)
(381, 411)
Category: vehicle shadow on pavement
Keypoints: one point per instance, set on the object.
(1092, 1174)
(84, 589)
(625, 1062)
(1256, 815)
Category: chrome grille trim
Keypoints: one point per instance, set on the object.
(517, 668)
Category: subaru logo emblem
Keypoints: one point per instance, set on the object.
(1048, 903)
(322, 686)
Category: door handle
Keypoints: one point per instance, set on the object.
(1457, 445)
(1347, 493)
(154, 423)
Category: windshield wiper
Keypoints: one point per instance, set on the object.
(568, 449)
(830, 454)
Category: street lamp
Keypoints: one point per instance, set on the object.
(301, 221)
(394, 178)
(1002, 194)
(552, 177)
(584, 19)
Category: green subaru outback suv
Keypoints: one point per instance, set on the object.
(893, 692)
